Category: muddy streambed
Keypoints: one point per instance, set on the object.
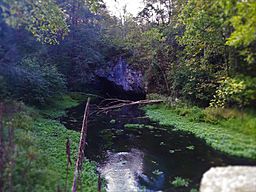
(145, 156)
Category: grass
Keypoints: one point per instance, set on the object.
(234, 135)
(41, 150)
(50, 137)
(180, 182)
(58, 105)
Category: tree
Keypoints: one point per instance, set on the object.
(244, 24)
(44, 19)
(215, 32)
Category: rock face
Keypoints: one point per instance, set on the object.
(121, 77)
(229, 179)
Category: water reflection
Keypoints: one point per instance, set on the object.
(146, 158)
(121, 170)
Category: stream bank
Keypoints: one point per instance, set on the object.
(134, 153)
(221, 138)
(40, 142)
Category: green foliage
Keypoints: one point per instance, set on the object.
(29, 173)
(180, 182)
(51, 137)
(57, 105)
(206, 56)
(240, 90)
(95, 5)
(156, 96)
(40, 153)
(244, 22)
(33, 81)
(23, 121)
(227, 136)
(244, 124)
(194, 85)
(194, 114)
(137, 126)
(44, 19)
(193, 190)
(203, 56)
(215, 115)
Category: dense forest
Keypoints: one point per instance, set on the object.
(197, 56)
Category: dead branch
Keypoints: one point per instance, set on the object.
(117, 103)
(82, 144)
(69, 163)
(99, 183)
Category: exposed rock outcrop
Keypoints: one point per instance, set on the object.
(229, 179)
(122, 78)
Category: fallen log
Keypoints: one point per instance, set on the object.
(117, 103)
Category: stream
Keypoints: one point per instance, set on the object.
(148, 158)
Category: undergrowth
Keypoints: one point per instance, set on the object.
(39, 156)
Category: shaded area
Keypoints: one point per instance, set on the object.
(148, 157)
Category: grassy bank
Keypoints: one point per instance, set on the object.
(226, 130)
(40, 150)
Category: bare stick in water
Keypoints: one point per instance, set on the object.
(82, 144)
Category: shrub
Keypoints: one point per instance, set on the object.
(193, 113)
(33, 81)
(245, 124)
(214, 115)
(239, 90)
(22, 121)
(196, 87)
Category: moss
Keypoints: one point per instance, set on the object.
(219, 136)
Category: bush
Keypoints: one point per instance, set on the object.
(22, 121)
(196, 87)
(245, 124)
(240, 90)
(214, 115)
(33, 81)
(194, 113)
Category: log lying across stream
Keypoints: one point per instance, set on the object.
(112, 104)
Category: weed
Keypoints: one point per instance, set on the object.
(180, 182)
